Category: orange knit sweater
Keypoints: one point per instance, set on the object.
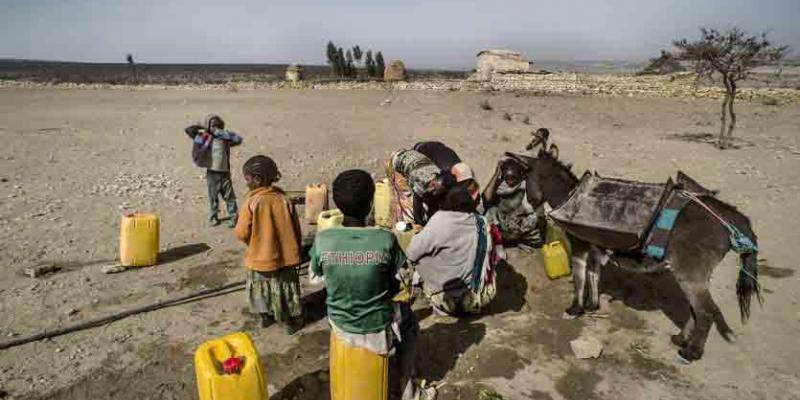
(269, 226)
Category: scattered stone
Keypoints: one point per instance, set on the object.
(35, 272)
(72, 311)
(113, 268)
(386, 102)
(586, 347)
(59, 350)
(4, 180)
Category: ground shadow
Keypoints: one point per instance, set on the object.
(314, 306)
(311, 386)
(773, 272)
(68, 266)
(181, 252)
(511, 289)
(314, 309)
(708, 138)
(653, 291)
(441, 345)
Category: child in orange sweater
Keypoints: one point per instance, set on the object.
(269, 226)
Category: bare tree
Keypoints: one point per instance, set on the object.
(129, 59)
(730, 54)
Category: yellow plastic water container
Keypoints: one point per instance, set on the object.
(316, 201)
(383, 204)
(228, 368)
(556, 259)
(329, 219)
(138, 240)
(356, 373)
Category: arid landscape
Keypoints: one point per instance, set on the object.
(74, 160)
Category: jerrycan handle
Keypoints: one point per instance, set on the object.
(554, 243)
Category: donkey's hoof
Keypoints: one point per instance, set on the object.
(573, 312)
(678, 340)
(592, 308)
(690, 354)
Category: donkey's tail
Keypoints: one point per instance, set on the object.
(747, 285)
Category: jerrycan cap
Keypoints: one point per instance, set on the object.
(232, 365)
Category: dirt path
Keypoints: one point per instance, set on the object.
(73, 160)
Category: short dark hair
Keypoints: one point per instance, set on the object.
(263, 169)
(352, 192)
(511, 164)
(458, 199)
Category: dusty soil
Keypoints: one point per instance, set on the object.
(73, 160)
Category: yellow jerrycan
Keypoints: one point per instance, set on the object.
(383, 204)
(138, 240)
(316, 201)
(329, 219)
(556, 260)
(357, 373)
(228, 368)
(556, 252)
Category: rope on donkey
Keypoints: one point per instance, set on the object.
(740, 243)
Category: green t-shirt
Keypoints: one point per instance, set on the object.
(360, 267)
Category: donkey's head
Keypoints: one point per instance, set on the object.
(547, 178)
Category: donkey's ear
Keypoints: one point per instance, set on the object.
(553, 151)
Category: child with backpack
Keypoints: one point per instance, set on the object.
(211, 150)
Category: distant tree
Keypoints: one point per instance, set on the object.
(129, 59)
(369, 63)
(357, 55)
(379, 65)
(332, 54)
(731, 55)
(349, 62)
(341, 61)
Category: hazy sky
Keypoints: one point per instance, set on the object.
(444, 34)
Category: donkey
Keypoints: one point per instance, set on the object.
(697, 244)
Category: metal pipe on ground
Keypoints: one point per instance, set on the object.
(107, 319)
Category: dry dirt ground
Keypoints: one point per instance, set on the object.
(72, 160)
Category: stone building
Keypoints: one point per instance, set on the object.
(294, 73)
(503, 61)
(395, 71)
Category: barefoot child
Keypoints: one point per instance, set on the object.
(212, 150)
(269, 226)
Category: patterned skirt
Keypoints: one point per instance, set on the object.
(402, 196)
(276, 293)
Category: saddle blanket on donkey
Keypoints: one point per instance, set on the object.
(630, 218)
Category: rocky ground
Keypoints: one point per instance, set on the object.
(74, 160)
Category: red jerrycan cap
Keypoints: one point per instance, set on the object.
(232, 365)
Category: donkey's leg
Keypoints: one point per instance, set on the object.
(597, 258)
(682, 338)
(579, 282)
(703, 309)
